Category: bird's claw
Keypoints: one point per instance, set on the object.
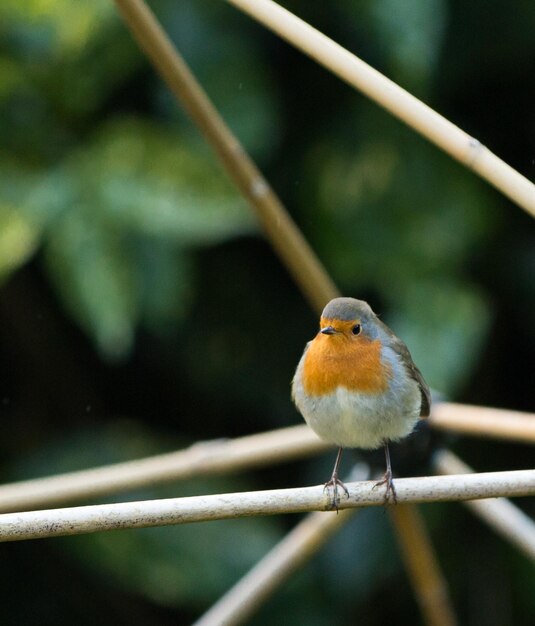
(390, 489)
(335, 482)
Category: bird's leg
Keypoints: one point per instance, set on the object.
(335, 482)
(387, 478)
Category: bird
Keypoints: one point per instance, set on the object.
(357, 386)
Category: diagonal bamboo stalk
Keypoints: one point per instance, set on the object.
(429, 585)
(437, 129)
(297, 548)
(500, 514)
(87, 519)
(280, 229)
(250, 593)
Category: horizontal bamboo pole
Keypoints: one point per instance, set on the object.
(437, 129)
(308, 537)
(233, 455)
(87, 519)
(500, 514)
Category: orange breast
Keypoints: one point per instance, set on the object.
(336, 361)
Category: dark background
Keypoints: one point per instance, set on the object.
(141, 310)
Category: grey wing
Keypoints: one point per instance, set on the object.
(425, 408)
(400, 348)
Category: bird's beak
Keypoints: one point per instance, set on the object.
(328, 330)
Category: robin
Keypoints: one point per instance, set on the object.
(357, 386)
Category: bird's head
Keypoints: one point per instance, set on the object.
(348, 319)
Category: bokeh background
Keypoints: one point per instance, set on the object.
(141, 309)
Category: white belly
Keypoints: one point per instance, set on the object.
(353, 420)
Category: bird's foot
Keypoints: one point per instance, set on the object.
(390, 489)
(335, 482)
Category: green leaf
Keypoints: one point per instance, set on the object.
(19, 238)
(57, 27)
(122, 215)
(412, 32)
(71, 56)
(165, 277)
(96, 280)
(151, 183)
(444, 324)
(399, 211)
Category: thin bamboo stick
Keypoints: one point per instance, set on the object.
(500, 514)
(281, 231)
(86, 519)
(437, 129)
(202, 459)
(484, 422)
(428, 583)
(250, 593)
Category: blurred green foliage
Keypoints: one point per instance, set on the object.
(140, 309)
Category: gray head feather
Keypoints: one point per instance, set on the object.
(347, 309)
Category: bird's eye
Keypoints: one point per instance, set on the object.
(356, 329)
